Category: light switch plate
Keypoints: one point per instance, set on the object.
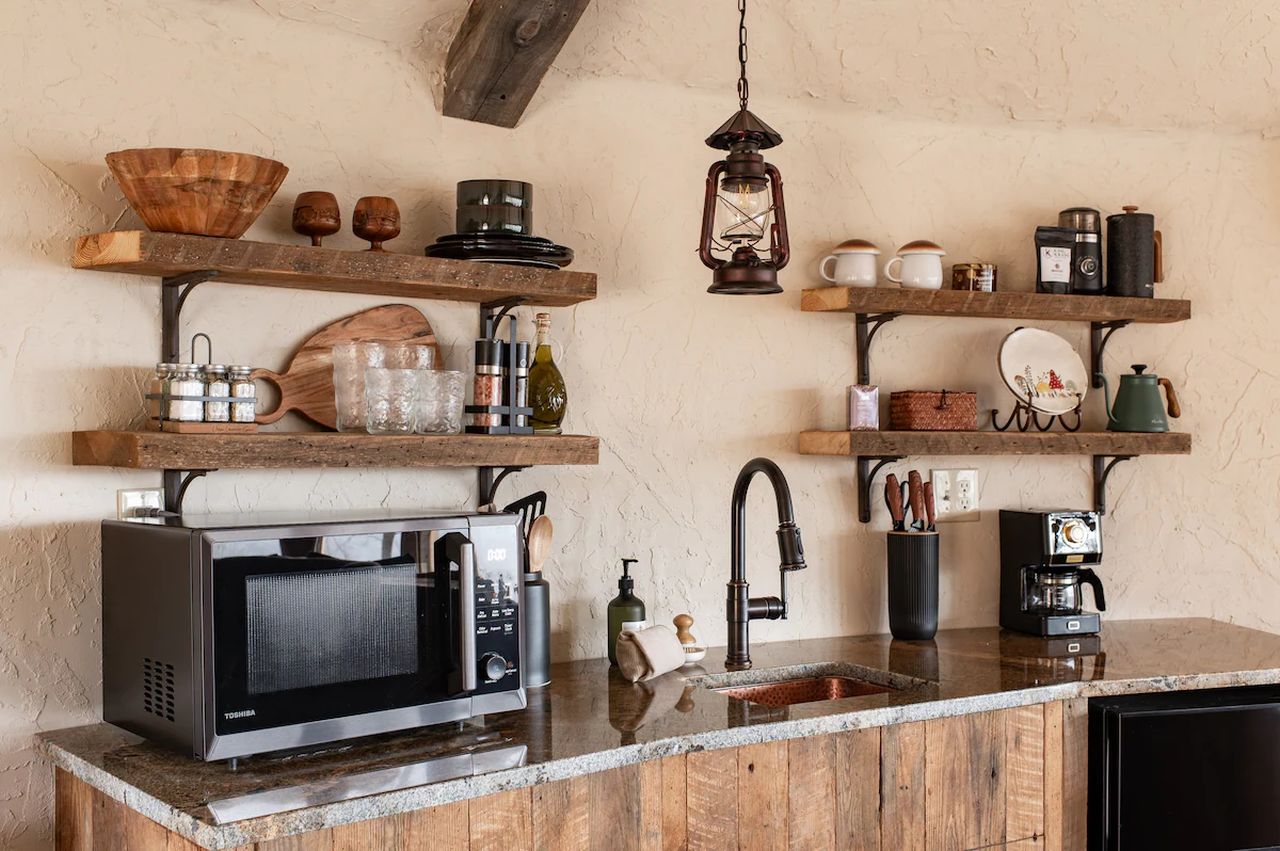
(955, 495)
(136, 502)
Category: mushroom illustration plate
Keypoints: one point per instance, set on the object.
(1043, 370)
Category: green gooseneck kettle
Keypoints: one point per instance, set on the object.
(1138, 406)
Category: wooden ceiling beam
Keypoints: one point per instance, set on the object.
(500, 55)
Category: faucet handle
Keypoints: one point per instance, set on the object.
(790, 548)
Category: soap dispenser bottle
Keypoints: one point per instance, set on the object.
(623, 608)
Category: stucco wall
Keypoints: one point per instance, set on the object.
(964, 122)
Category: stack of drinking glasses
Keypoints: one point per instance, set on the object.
(395, 388)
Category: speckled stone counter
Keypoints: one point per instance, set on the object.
(588, 719)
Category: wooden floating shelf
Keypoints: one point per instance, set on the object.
(305, 267)
(997, 305)
(891, 443)
(153, 450)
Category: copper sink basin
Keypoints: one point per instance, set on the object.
(807, 690)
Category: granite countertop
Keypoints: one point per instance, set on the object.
(589, 719)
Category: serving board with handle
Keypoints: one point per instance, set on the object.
(306, 385)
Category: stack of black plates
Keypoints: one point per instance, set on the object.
(494, 219)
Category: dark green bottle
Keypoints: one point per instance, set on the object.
(623, 608)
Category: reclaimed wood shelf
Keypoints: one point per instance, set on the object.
(154, 450)
(901, 443)
(305, 267)
(997, 305)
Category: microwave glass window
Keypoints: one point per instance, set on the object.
(326, 626)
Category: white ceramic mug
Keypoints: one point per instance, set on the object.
(920, 266)
(852, 263)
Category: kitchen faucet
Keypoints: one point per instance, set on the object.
(740, 608)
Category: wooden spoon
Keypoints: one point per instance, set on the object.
(539, 543)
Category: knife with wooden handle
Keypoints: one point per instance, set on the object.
(930, 510)
(915, 495)
(893, 500)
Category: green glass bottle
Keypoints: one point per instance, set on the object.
(547, 394)
(623, 608)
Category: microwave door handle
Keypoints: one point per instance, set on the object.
(467, 621)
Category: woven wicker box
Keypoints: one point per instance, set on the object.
(933, 410)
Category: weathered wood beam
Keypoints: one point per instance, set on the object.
(500, 55)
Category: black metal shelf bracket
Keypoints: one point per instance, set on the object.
(489, 483)
(867, 326)
(1099, 334)
(1102, 468)
(866, 480)
(175, 483)
(173, 295)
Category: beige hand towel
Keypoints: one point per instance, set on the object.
(648, 653)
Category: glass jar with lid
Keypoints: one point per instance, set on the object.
(216, 385)
(185, 389)
(244, 409)
(158, 391)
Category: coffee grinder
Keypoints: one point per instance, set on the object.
(1046, 558)
(1086, 258)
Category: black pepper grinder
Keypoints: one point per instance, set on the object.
(1134, 254)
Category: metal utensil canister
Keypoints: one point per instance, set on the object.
(1086, 259)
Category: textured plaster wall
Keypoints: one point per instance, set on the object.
(963, 122)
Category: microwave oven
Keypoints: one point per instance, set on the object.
(237, 635)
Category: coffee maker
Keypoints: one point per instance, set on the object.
(1046, 558)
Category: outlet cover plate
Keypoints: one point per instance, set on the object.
(955, 495)
(134, 502)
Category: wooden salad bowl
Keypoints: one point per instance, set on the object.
(196, 190)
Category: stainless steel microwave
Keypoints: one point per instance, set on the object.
(230, 636)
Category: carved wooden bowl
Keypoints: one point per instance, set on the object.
(196, 190)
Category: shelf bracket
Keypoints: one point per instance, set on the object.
(867, 326)
(489, 482)
(1099, 334)
(1102, 468)
(866, 479)
(173, 295)
(175, 484)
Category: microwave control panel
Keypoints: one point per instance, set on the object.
(498, 574)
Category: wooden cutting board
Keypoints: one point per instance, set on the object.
(306, 385)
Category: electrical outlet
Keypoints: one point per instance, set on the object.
(955, 495)
(137, 502)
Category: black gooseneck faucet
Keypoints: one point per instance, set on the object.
(740, 607)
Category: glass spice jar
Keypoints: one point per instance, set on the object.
(216, 384)
(158, 391)
(486, 388)
(185, 388)
(243, 390)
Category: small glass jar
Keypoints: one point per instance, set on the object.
(158, 391)
(243, 390)
(486, 389)
(185, 388)
(216, 384)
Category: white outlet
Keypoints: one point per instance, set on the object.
(137, 501)
(955, 495)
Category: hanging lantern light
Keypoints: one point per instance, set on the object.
(743, 203)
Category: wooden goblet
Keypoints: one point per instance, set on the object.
(316, 214)
(376, 219)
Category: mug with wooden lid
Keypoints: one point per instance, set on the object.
(852, 263)
(920, 265)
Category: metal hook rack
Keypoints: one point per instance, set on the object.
(1099, 334)
(866, 479)
(867, 326)
(1102, 468)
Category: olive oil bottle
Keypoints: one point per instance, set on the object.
(547, 394)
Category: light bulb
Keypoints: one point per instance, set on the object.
(745, 207)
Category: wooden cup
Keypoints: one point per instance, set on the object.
(316, 214)
(377, 219)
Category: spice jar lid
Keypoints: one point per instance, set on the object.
(488, 352)
(213, 367)
(239, 371)
(522, 357)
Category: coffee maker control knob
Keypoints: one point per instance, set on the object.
(493, 666)
(1074, 532)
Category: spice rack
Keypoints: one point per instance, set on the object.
(875, 307)
(184, 262)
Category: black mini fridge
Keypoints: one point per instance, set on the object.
(1193, 770)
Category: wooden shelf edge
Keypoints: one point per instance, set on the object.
(882, 443)
(305, 267)
(997, 305)
(152, 450)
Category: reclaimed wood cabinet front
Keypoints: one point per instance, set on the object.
(982, 780)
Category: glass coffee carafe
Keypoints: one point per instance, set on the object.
(1059, 591)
